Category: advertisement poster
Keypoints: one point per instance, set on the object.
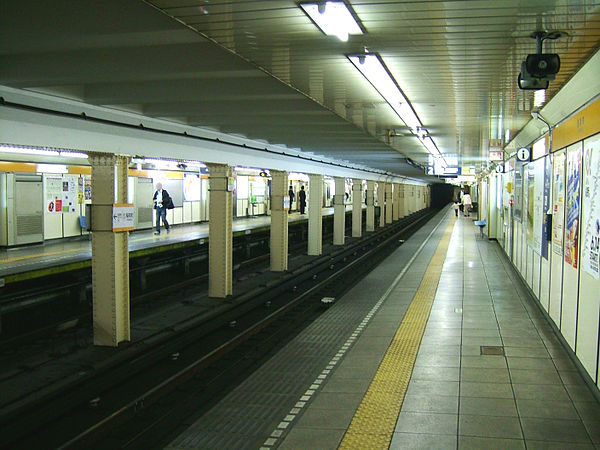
(538, 205)
(573, 206)
(558, 202)
(53, 194)
(590, 250)
(546, 206)
(191, 187)
(69, 193)
(518, 192)
(529, 200)
(87, 192)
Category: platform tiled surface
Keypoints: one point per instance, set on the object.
(531, 398)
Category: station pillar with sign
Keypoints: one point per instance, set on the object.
(220, 233)
(315, 214)
(356, 207)
(370, 201)
(109, 223)
(280, 204)
(381, 203)
(339, 212)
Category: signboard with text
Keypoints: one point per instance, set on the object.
(123, 217)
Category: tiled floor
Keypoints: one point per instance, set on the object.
(531, 398)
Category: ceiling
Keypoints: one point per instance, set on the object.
(263, 70)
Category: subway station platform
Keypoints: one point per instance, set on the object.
(68, 251)
(440, 347)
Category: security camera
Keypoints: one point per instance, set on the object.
(539, 68)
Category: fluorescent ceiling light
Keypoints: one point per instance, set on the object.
(73, 155)
(333, 18)
(371, 66)
(27, 150)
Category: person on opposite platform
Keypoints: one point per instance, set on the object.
(162, 202)
(302, 199)
(291, 195)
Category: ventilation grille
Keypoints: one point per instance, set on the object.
(29, 224)
(145, 215)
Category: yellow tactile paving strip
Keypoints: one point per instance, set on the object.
(373, 423)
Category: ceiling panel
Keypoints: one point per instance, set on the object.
(262, 68)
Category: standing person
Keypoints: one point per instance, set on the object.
(292, 196)
(162, 200)
(466, 201)
(302, 199)
(455, 206)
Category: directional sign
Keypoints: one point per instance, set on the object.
(524, 154)
(123, 217)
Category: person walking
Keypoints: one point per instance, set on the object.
(292, 196)
(466, 201)
(302, 199)
(455, 206)
(162, 200)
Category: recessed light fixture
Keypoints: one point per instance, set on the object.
(372, 67)
(333, 18)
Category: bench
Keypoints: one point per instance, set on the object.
(481, 224)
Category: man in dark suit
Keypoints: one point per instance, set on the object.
(161, 202)
(302, 199)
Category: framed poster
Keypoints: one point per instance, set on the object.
(590, 249)
(558, 201)
(573, 206)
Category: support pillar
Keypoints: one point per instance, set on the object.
(110, 254)
(381, 203)
(339, 212)
(279, 221)
(389, 200)
(315, 215)
(401, 201)
(370, 200)
(396, 194)
(356, 207)
(220, 233)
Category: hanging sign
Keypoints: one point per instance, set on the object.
(123, 215)
(524, 154)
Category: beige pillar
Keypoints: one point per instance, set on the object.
(315, 214)
(381, 203)
(401, 201)
(389, 201)
(396, 208)
(370, 200)
(110, 255)
(413, 199)
(279, 221)
(339, 212)
(356, 207)
(220, 234)
(419, 198)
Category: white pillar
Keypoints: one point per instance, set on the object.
(220, 233)
(396, 196)
(381, 203)
(356, 207)
(279, 221)
(315, 214)
(110, 253)
(389, 200)
(339, 212)
(370, 205)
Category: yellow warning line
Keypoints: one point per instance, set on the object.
(375, 419)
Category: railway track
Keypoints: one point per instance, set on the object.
(181, 375)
